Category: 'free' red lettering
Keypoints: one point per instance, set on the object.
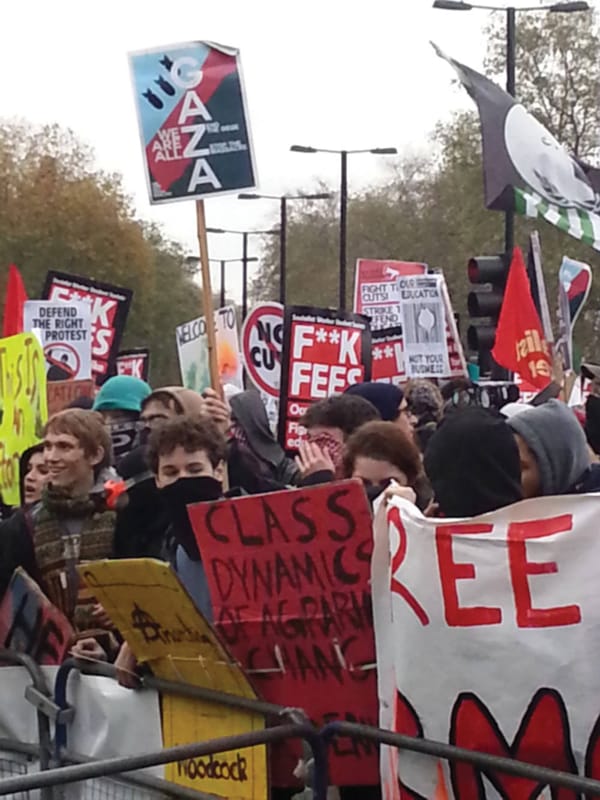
(451, 571)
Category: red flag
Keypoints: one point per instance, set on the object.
(15, 299)
(520, 344)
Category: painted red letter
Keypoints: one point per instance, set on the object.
(521, 568)
(451, 572)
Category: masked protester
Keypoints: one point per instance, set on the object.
(379, 454)
(328, 424)
(120, 402)
(70, 524)
(255, 457)
(187, 457)
(472, 463)
(141, 521)
(554, 453)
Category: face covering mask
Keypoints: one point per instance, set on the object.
(180, 494)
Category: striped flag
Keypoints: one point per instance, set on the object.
(525, 168)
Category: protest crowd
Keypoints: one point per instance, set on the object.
(336, 511)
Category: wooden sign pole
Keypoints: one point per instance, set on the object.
(207, 302)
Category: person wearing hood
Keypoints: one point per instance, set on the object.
(71, 523)
(472, 462)
(255, 455)
(553, 452)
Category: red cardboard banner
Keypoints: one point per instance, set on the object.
(110, 307)
(376, 292)
(134, 362)
(324, 352)
(61, 393)
(289, 580)
(388, 357)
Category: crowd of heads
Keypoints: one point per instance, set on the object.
(113, 477)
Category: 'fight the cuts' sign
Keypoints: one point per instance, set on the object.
(487, 635)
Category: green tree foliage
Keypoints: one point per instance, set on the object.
(432, 209)
(57, 211)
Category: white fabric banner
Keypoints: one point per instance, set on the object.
(109, 720)
(488, 637)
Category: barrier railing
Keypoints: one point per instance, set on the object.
(39, 695)
(61, 776)
(484, 761)
(270, 711)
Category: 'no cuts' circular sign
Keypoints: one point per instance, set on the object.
(262, 338)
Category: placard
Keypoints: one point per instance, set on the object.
(192, 349)
(30, 624)
(288, 575)
(161, 624)
(60, 394)
(324, 352)
(262, 340)
(376, 292)
(110, 307)
(193, 121)
(23, 407)
(134, 362)
(424, 326)
(388, 357)
(504, 610)
(64, 331)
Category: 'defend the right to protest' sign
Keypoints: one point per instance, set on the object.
(193, 121)
(288, 574)
(487, 635)
(324, 352)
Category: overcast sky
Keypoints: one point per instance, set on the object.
(327, 73)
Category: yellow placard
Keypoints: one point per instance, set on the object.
(156, 616)
(23, 411)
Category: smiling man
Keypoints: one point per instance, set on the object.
(71, 523)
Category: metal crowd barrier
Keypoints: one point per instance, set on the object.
(39, 695)
(291, 724)
(485, 761)
(270, 711)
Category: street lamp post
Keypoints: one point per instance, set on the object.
(283, 201)
(245, 259)
(222, 264)
(511, 47)
(380, 151)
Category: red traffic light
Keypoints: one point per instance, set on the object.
(488, 269)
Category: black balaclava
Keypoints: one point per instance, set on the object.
(473, 464)
(177, 496)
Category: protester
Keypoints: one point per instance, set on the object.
(553, 452)
(458, 393)
(425, 405)
(34, 474)
(120, 402)
(390, 402)
(328, 424)
(142, 521)
(187, 457)
(379, 453)
(472, 462)
(71, 523)
(253, 446)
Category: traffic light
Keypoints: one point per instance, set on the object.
(488, 274)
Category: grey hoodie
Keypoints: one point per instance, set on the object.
(556, 439)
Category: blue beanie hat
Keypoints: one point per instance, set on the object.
(122, 393)
(386, 397)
